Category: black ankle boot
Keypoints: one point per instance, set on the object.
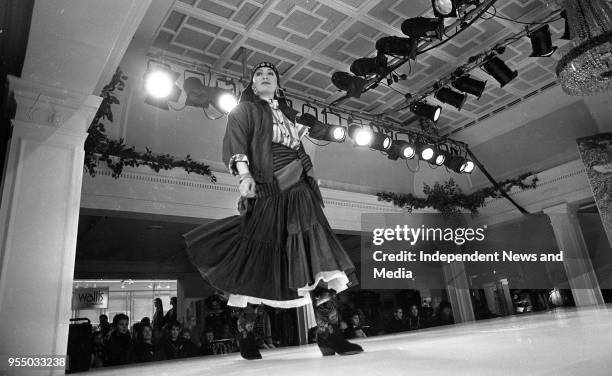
(248, 347)
(331, 342)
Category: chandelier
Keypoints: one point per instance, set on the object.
(586, 69)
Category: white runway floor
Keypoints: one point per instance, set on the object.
(563, 342)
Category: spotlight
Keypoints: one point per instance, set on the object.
(444, 8)
(349, 83)
(397, 46)
(450, 96)
(322, 131)
(200, 95)
(380, 141)
(426, 152)
(454, 162)
(541, 42)
(401, 149)
(426, 110)
(441, 153)
(370, 65)
(421, 27)
(467, 167)
(499, 70)
(160, 85)
(470, 85)
(361, 136)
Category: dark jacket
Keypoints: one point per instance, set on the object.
(249, 132)
(119, 349)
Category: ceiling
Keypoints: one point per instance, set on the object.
(309, 40)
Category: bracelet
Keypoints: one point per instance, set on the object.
(245, 176)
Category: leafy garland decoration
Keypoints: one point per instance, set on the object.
(448, 199)
(116, 154)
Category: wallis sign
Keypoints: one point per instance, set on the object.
(90, 298)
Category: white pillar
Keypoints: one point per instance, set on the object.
(576, 260)
(39, 215)
(458, 291)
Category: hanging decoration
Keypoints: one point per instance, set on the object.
(586, 69)
(116, 154)
(448, 199)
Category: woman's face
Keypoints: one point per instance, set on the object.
(265, 82)
(147, 333)
(414, 311)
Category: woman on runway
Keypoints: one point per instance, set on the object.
(280, 247)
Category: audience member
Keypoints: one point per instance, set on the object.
(170, 316)
(174, 345)
(396, 324)
(119, 349)
(104, 326)
(354, 329)
(445, 315)
(189, 348)
(414, 318)
(97, 350)
(195, 330)
(208, 343)
(145, 350)
(158, 320)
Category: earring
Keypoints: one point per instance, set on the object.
(277, 93)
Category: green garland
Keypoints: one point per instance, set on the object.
(448, 199)
(116, 154)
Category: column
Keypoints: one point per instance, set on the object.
(576, 261)
(458, 291)
(39, 215)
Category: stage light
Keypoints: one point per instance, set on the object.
(440, 156)
(397, 46)
(541, 42)
(370, 65)
(470, 85)
(444, 8)
(449, 96)
(467, 167)
(426, 110)
(401, 149)
(200, 95)
(360, 135)
(160, 85)
(380, 141)
(499, 70)
(426, 152)
(227, 102)
(322, 131)
(351, 84)
(421, 27)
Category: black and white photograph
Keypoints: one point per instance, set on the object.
(306, 187)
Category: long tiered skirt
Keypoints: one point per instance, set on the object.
(276, 254)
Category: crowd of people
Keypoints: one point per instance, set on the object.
(164, 337)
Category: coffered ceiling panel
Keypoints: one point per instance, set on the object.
(309, 40)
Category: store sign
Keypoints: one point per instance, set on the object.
(90, 298)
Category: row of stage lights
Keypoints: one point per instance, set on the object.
(161, 88)
(418, 28)
(449, 153)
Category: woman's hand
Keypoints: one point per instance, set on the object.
(247, 186)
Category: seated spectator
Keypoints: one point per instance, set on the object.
(104, 326)
(119, 349)
(145, 350)
(173, 346)
(354, 329)
(195, 330)
(208, 343)
(97, 350)
(445, 315)
(145, 321)
(414, 318)
(189, 348)
(397, 323)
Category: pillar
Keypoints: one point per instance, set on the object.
(39, 215)
(576, 260)
(458, 289)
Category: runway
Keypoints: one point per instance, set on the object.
(561, 342)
